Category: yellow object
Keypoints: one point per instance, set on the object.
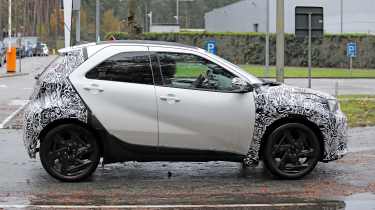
(11, 60)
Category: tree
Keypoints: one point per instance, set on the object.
(133, 28)
(44, 18)
(110, 22)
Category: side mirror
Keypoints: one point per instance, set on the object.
(240, 86)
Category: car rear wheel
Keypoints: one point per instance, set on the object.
(291, 151)
(69, 153)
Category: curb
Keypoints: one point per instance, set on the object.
(320, 78)
(13, 75)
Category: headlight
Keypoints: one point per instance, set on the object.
(333, 105)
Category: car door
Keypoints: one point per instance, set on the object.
(213, 117)
(117, 85)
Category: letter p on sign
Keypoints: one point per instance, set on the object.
(211, 47)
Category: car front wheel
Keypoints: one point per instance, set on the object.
(69, 153)
(291, 151)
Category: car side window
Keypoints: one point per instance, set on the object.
(181, 70)
(131, 67)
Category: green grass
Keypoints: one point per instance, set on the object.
(360, 109)
(191, 70)
(258, 71)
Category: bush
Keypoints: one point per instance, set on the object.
(248, 48)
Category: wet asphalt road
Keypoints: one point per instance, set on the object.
(348, 183)
(14, 90)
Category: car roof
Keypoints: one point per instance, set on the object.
(92, 48)
(147, 42)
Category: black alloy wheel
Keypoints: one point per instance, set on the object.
(291, 151)
(69, 153)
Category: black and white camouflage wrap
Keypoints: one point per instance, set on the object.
(53, 99)
(273, 103)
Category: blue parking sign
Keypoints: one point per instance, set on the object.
(351, 49)
(211, 47)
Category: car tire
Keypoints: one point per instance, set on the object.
(69, 153)
(291, 151)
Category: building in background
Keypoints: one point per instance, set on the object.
(242, 16)
(250, 16)
(165, 28)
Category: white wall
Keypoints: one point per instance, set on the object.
(359, 16)
(237, 17)
(165, 28)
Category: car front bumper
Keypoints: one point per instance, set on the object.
(335, 137)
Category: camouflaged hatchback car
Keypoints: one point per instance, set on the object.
(158, 101)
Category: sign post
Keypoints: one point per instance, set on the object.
(11, 52)
(68, 4)
(267, 59)
(97, 21)
(211, 47)
(351, 52)
(19, 44)
(309, 56)
(77, 8)
(309, 25)
(280, 41)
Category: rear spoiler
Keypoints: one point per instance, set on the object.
(66, 51)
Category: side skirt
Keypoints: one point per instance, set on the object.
(115, 150)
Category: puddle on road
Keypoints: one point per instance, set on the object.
(363, 201)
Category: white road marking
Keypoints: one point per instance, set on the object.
(18, 102)
(159, 206)
(11, 117)
(3, 86)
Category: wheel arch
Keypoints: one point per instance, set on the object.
(77, 122)
(293, 119)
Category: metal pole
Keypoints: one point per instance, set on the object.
(177, 12)
(267, 40)
(97, 20)
(146, 19)
(78, 27)
(19, 35)
(1, 21)
(342, 16)
(10, 25)
(309, 49)
(280, 41)
(150, 24)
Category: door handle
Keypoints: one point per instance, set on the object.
(94, 88)
(170, 98)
